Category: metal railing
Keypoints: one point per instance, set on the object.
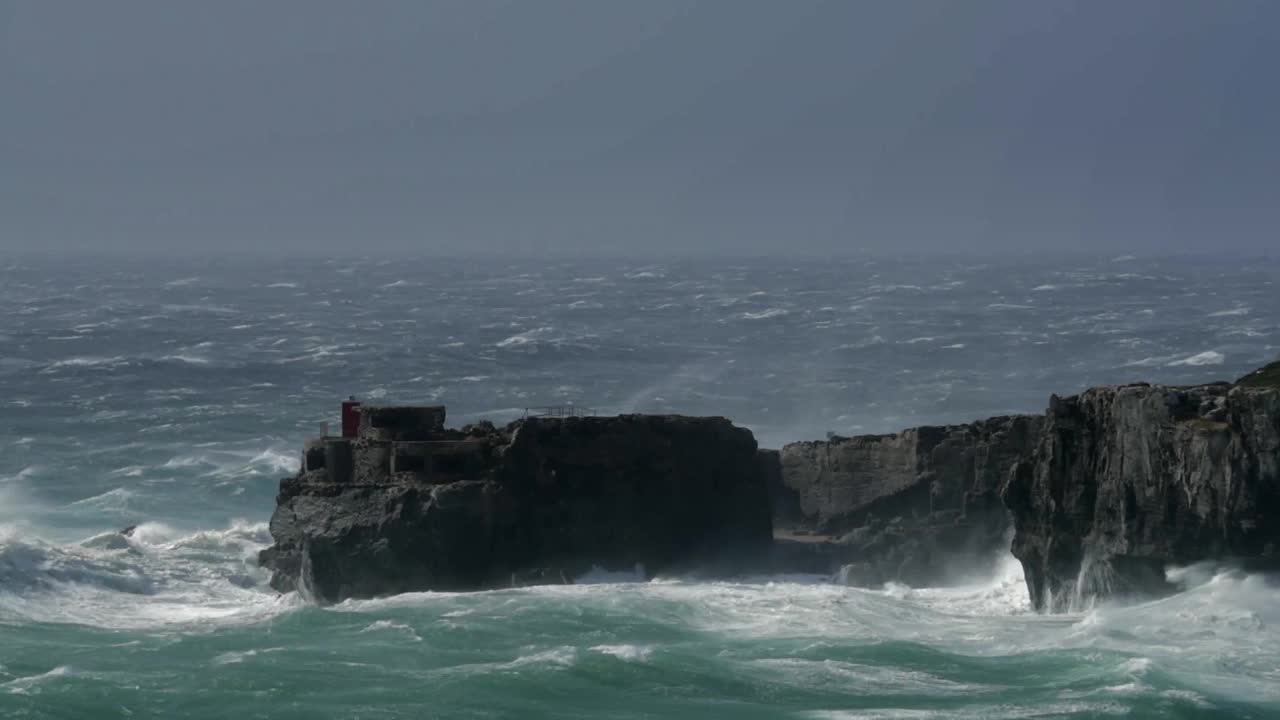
(559, 411)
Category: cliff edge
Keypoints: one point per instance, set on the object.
(921, 507)
(408, 506)
(1129, 480)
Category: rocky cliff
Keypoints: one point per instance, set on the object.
(1129, 480)
(921, 506)
(1100, 496)
(542, 500)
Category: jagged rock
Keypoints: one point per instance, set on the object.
(542, 500)
(1128, 480)
(921, 506)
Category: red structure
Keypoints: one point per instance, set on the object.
(350, 417)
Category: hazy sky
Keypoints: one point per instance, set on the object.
(640, 126)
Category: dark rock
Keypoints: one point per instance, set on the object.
(921, 506)
(1129, 480)
(784, 500)
(542, 500)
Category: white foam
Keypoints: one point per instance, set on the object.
(1208, 357)
(186, 359)
(233, 657)
(24, 685)
(158, 577)
(1234, 312)
(115, 500)
(630, 653)
(599, 576)
(527, 338)
(87, 362)
(398, 627)
(563, 656)
(765, 314)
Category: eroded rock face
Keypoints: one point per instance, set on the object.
(1128, 480)
(542, 500)
(921, 506)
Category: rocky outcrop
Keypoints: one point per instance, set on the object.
(1100, 496)
(1129, 480)
(921, 506)
(542, 500)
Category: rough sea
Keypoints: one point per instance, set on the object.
(173, 395)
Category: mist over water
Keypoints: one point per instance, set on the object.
(173, 395)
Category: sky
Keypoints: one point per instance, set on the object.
(640, 127)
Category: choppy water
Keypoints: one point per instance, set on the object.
(174, 394)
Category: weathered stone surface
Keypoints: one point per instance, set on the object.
(540, 501)
(921, 506)
(1130, 479)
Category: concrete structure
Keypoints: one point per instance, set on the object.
(405, 443)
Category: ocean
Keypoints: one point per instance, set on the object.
(173, 394)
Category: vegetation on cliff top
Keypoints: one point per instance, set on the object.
(1265, 376)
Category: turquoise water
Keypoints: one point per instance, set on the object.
(174, 395)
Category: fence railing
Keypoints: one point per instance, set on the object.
(559, 411)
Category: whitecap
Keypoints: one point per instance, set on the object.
(765, 314)
(272, 460)
(529, 337)
(116, 500)
(398, 627)
(562, 656)
(1208, 357)
(186, 359)
(1150, 361)
(869, 342)
(630, 653)
(23, 685)
(87, 362)
(233, 657)
(1234, 312)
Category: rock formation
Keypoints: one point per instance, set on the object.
(1100, 496)
(921, 506)
(408, 505)
(1129, 480)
